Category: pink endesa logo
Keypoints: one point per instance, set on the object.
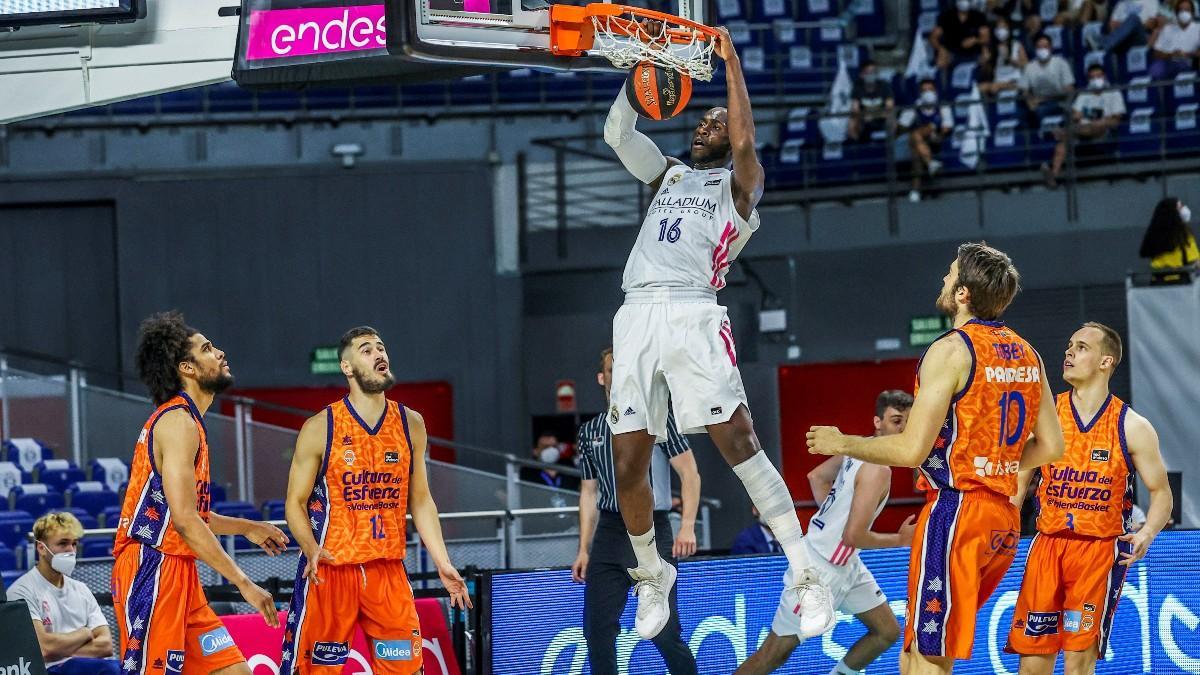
(278, 33)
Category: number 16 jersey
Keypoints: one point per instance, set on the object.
(691, 233)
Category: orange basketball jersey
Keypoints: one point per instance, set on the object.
(981, 441)
(1090, 490)
(357, 507)
(145, 516)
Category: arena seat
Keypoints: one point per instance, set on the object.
(237, 510)
(36, 498)
(14, 525)
(91, 496)
(57, 473)
(86, 519)
(110, 516)
(26, 453)
(273, 509)
(9, 576)
(96, 547)
(111, 471)
(8, 559)
(10, 477)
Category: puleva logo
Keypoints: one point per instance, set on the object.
(330, 653)
(1041, 623)
(175, 661)
(394, 650)
(215, 640)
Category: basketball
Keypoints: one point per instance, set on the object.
(658, 93)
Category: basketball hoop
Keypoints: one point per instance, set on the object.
(618, 33)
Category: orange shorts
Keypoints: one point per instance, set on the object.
(164, 619)
(963, 545)
(375, 596)
(1069, 594)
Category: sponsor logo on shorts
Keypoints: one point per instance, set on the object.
(1005, 542)
(986, 467)
(175, 661)
(1071, 620)
(215, 640)
(394, 650)
(628, 412)
(1100, 454)
(391, 457)
(715, 410)
(713, 182)
(1086, 624)
(416, 636)
(1089, 607)
(1038, 624)
(614, 415)
(330, 653)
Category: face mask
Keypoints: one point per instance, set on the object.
(1043, 54)
(1096, 83)
(1185, 17)
(1002, 34)
(963, 5)
(1185, 214)
(549, 455)
(63, 563)
(929, 97)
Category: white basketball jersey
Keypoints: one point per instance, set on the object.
(827, 524)
(690, 234)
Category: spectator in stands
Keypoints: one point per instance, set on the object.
(756, 538)
(1018, 12)
(871, 103)
(1176, 44)
(71, 629)
(1130, 24)
(928, 123)
(1169, 242)
(548, 451)
(1079, 12)
(1095, 113)
(961, 34)
(1047, 81)
(1001, 69)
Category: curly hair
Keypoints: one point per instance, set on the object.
(163, 343)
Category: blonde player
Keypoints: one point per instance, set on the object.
(982, 412)
(852, 494)
(1084, 546)
(672, 340)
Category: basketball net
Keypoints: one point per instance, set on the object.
(626, 42)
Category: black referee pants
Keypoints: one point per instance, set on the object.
(607, 591)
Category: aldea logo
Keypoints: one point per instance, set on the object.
(279, 33)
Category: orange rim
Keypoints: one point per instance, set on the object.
(572, 31)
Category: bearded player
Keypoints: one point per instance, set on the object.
(359, 468)
(672, 340)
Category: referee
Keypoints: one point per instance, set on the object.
(605, 570)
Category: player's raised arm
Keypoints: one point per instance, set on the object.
(177, 437)
(821, 478)
(871, 485)
(425, 515)
(944, 371)
(306, 464)
(637, 152)
(1047, 444)
(1147, 460)
(748, 176)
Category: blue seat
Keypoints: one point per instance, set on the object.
(816, 10)
(474, 90)
(279, 101)
(515, 86)
(331, 98)
(10, 477)
(35, 498)
(731, 9)
(1136, 61)
(26, 453)
(186, 101)
(8, 559)
(1185, 136)
(112, 472)
(14, 525)
(273, 509)
(1007, 144)
(237, 510)
(788, 165)
(110, 516)
(9, 576)
(802, 125)
(57, 473)
(869, 19)
(1140, 134)
(834, 164)
(96, 547)
(765, 10)
(145, 105)
(91, 496)
(217, 492)
(1183, 91)
(228, 97)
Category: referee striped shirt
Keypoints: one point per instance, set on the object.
(594, 444)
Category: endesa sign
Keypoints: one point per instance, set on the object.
(311, 31)
(262, 645)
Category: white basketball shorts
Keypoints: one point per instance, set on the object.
(852, 588)
(677, 344)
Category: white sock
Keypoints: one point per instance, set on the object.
(772, 499)
(842, 669)
(646, 552)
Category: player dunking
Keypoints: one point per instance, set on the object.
(1084, 546)
(359, 467)
(672, 339)
(980, 394)
(164, 619)
(852, 494)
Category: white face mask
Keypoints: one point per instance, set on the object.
(1043, 54)
(1185, 17)
(1002, 34)
(549, 454)
(1096, 83)
(1185, 213)
(63, 563)
(928, 97)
